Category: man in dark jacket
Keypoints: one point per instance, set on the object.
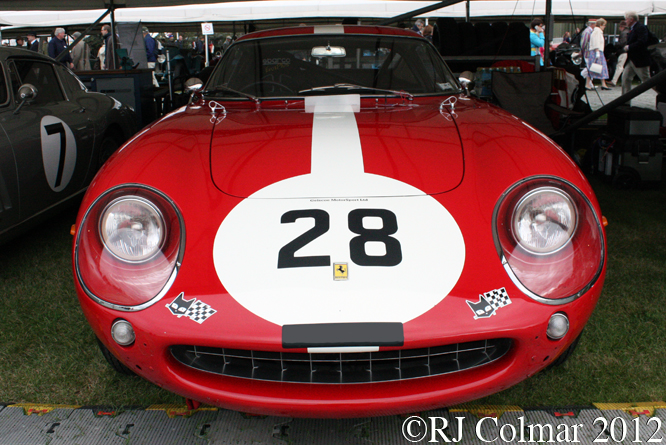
(151, 48)
(58, 45)
(151, 52)
(33, 43)
(637, 52)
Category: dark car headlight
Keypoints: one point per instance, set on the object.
(549, 239)
(129, 246)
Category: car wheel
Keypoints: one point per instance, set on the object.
(566, 354)
(113, 361)
(108, 146)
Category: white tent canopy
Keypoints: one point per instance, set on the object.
(295, 9)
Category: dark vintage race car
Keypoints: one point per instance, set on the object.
(332, 228)
(54, 136)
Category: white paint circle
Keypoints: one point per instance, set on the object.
(58, 171)
(247, 243)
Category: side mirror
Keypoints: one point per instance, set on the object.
(193, 84)
(466, 79)
(26, 92)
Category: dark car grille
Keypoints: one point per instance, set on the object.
(357, 367)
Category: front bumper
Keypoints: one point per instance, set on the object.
(158, 332)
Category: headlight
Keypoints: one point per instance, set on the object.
(549, 239)
(132, 229)
(544, 221)
(129, 246)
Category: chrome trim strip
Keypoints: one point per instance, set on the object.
(174, 273)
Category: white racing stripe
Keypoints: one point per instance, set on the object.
(329, 29)
(336, 144)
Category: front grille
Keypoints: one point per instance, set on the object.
(356, 367)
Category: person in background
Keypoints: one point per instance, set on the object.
(105, 48)
(227, 42)
(637, 52)
(151, 52)
(622, 58)
(80, 54)
(537, 38)
(585, 49)
(575, 40)
(427, 32)
(597, 56)
(418, 26)
(199, 45)
(180, 43)
(151, 48)
(20, 42)
(57, 45)
(567, 37)
(33, 43)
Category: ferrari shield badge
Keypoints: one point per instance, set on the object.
(489, 302)
(195, 310)
(340, 271)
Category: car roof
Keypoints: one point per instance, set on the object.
(8, 51)
(331, 29)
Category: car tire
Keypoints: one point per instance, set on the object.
(113, 361)
(563, 357)
(108, 146)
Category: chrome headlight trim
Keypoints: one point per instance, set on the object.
(174, 273)
(505, 262)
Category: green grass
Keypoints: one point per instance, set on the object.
(48, 353)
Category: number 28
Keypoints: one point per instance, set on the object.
(357, 251)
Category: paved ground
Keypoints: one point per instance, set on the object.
(609, 423)
(598, 98)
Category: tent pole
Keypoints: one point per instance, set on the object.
(112, 64)
(468, 11)
(550, 24)
(409, 15)
(206, 49)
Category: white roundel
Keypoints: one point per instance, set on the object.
(58, 152)
(252, 240)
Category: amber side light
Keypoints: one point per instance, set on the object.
(72, 230)
(604, 221)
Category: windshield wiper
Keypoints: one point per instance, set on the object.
(351, 86)
(220, 88)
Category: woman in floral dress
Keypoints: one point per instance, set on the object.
(596, 55)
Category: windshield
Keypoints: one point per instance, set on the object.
(324, 64)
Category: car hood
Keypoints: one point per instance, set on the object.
(336, 148)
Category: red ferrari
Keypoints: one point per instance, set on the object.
(333, 228)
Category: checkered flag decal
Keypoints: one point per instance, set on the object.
(497, 298)
(199, 311)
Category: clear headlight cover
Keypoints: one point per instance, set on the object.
(129, 247)
(549, 239)
(132, 229)
(544, 220)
